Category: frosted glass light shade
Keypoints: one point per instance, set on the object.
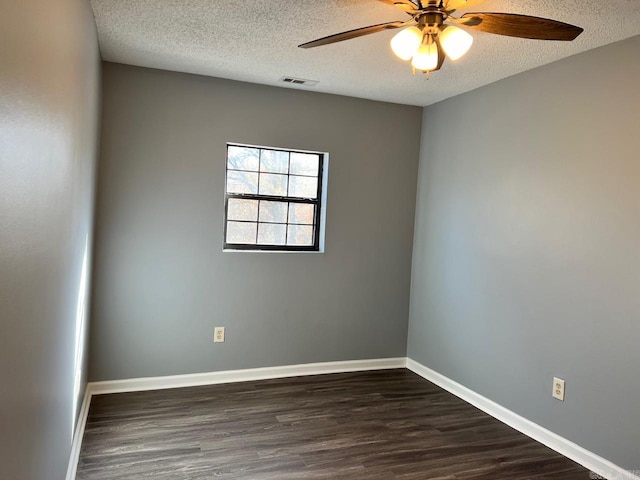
(406, 42)
(455, 42)
(426, 58)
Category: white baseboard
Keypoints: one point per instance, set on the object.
(232, 376)
(213, 378)
(590, 460)
(78, 434)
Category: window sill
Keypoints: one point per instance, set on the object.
(230, 250)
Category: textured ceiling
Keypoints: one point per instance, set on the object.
(256, 41)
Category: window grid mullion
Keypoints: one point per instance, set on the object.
(286, 233)
(258, 192)
(288, 178)
(272, 223)
(271, 173)
(258, 221)
(286, 228)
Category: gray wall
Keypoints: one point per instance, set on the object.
(49, 98)
(162, 281)
(526, 259)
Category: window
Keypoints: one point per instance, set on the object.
(272, 199)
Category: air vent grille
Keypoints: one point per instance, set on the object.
(299, 81)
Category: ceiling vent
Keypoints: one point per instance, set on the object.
(299, 81)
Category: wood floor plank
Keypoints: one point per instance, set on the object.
(382, 425)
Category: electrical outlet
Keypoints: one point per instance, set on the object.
(558, 388)
(218, 335)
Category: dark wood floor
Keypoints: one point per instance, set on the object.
(381, 425)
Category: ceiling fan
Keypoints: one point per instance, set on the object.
(428, 37)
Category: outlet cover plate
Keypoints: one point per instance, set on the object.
(558, 388)
(218, 335)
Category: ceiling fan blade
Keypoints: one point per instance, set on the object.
(465, 22)
(358, 32)
(522, 26)
(404, 5)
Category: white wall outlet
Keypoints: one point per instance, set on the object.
(218, 335)
(558, 388)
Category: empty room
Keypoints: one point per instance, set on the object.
(328, 239)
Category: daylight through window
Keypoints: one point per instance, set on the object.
(272, 199)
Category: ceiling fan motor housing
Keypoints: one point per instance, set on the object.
(431, 18)
(430, 22)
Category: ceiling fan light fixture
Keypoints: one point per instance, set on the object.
(426, 58)
(455, 42)
(428, 38)
(406, 43)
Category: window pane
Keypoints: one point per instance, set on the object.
(273, 184)
(243, 158)
(305, 187)
(274, 161)
(242, 182)
(304, 164)
(301, 213)
(271, 234)
(300, 235)
(273, 212)
(241, 232)
(242, 209)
